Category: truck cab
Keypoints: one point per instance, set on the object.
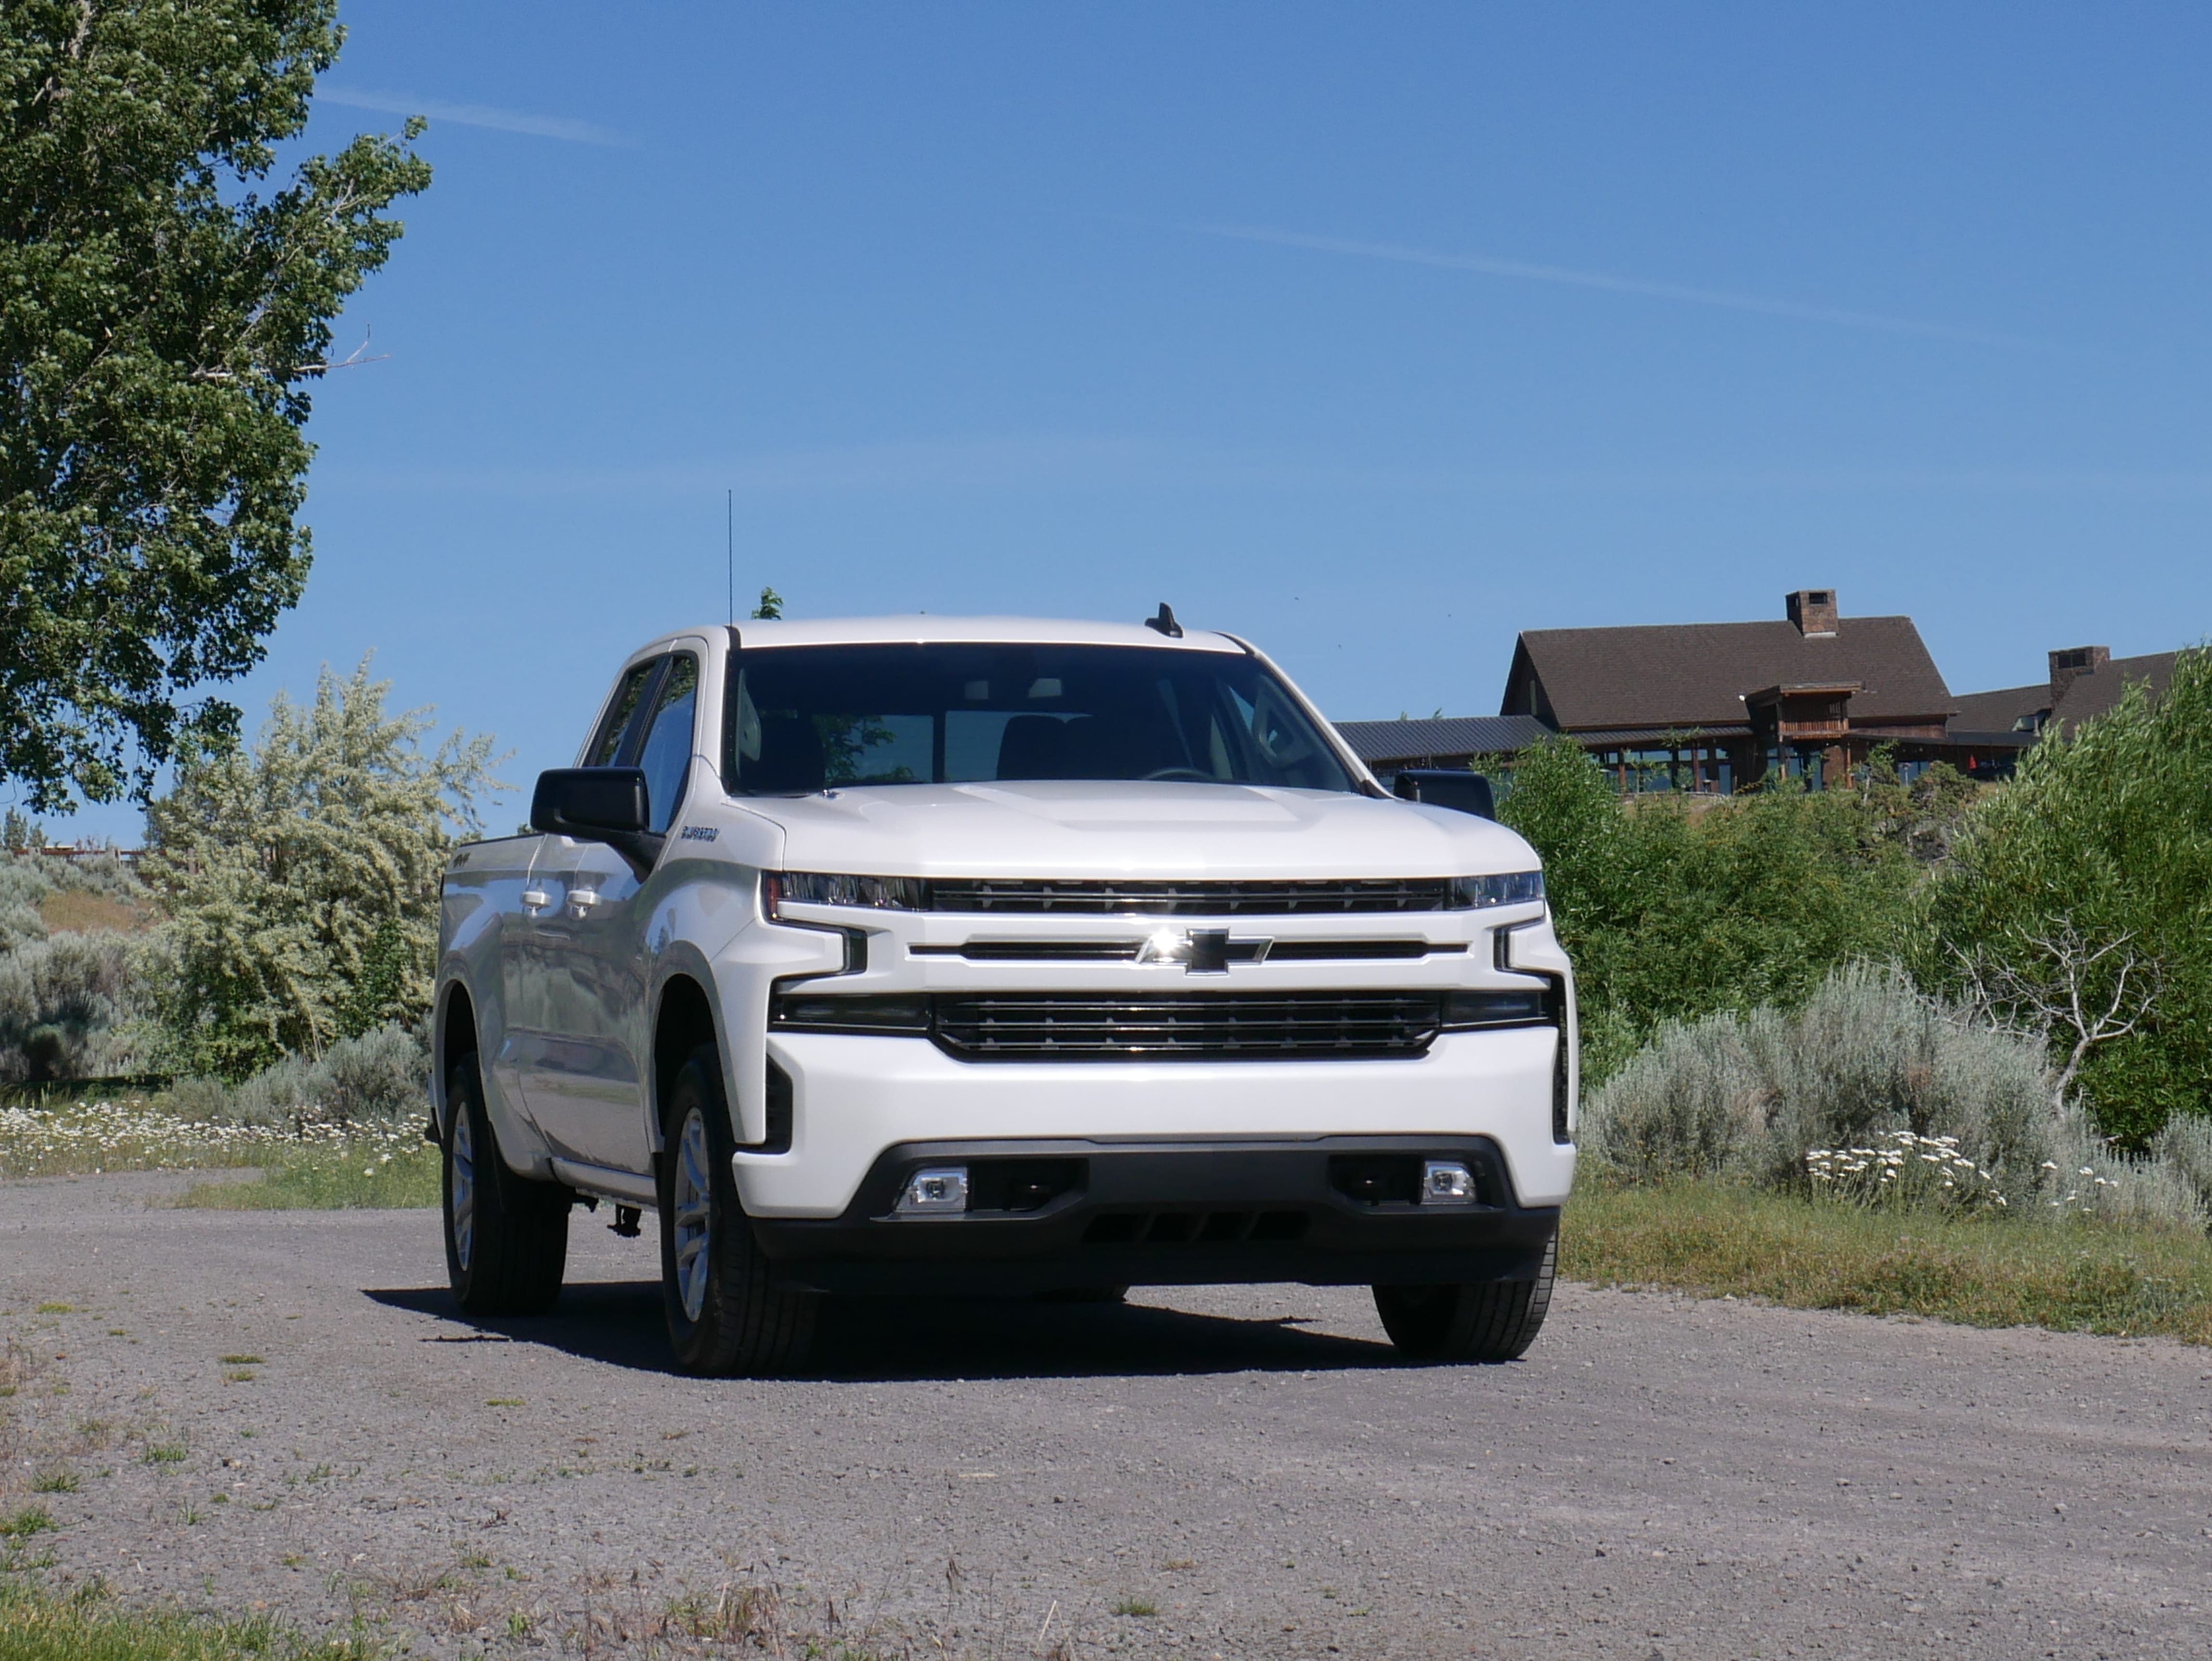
(998, 955)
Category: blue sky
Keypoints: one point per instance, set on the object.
(1374, 334)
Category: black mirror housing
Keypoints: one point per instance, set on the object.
(592, 803)
(1447, 786)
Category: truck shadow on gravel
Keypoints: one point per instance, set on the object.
(871, 1339)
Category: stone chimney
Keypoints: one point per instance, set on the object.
(2070, 665)
(1814, 612)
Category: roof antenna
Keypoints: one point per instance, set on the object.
(1165, 622)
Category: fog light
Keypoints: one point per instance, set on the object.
(939, 1189)
(1447, 1181)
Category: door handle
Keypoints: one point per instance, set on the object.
(536, 899)
(582, 899)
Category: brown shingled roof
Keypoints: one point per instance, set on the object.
(2092, 694)
(2000, 711)
(1695, 674)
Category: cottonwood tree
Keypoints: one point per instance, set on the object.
(160, 321)
(2102, 845)
(302, 876)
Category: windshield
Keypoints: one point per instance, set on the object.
(802, 718)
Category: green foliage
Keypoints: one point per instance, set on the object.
(21, 836)
(2097, 859)
(301, 878)
(771, 608)
(162, 321)
(1674, 907)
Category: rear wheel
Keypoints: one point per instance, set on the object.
(506, 1237)
(728, 1309)
(1489, 1321)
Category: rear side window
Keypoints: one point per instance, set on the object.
(666, 757)
(606, 747)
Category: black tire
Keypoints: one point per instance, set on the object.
(506, 1237)
(1490, 1321)
(729, 1309)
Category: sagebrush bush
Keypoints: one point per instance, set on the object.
(2184, 1146)
(380, 1078)
(1868, 1053)
(1869, 1057)
(1692, 1102)
(22, 886)
(70, 1008)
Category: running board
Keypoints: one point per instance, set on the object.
(626, 1187)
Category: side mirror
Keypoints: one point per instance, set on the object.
(598, 804)
(1447, 786)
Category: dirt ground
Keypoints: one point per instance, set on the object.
(1231, 1472)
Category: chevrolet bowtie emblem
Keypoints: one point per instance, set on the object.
(1201, 951)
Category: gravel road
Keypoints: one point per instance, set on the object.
(1235, 1471)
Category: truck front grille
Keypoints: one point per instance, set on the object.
(1013, 897)
(1233, 1026)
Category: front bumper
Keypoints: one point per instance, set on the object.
(854, 1098)
(1173, 1211)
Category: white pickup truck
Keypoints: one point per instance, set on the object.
(998, 956)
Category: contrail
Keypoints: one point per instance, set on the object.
(1489, 266)
(471, 115)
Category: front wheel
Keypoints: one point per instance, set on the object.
(728, 1310)
(1490, 1321)
(506, 1237)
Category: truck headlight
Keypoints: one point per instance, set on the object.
(1506, 888)
(779, 888)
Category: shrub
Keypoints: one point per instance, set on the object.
(1870, 1067)
(70, 1008)
(301, 878)
(22, 886)
(1694, 1103)
(380, 1078)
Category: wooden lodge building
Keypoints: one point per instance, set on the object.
(1713, 707)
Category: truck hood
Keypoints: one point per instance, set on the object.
(1163, 830)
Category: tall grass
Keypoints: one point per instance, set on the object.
(1713, 1240)
(36, 1625)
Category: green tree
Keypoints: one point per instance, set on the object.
(1674, 907)
(2079, 904)
(161, 324)
(302, 877)
(771, 608)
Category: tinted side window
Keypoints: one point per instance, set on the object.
(606, 744)
(667, 753)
